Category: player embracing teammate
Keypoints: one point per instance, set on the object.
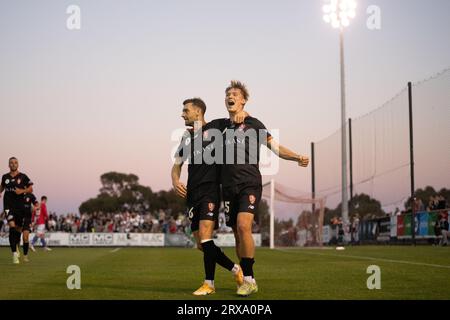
(240, 177)
(202, 192)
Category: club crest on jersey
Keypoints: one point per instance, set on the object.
(205, 135)
(241, 127)
(6, 181)
(187, 141)
(18, 181)
(252, 199)
(211, 206)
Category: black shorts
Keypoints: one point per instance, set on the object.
(243, 197)
(203, 204)
(21, 218)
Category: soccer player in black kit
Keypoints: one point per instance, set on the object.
(29, 201)
(203, 191)
(241, 178)
(16, 185)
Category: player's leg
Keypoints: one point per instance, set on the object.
(26, 228)
(223, 260)
(205, 232)
(249, 197)
(33, 241)
(12, 235)
(200, 230)
(237, 242)
(247, 251)
(41, 235)
(247, 244)
(35, 238)
(19, 234)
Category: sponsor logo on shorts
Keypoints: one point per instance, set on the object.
(211, 206)
(252, 199)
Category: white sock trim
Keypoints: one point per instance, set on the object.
(210, 283)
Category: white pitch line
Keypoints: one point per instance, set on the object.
(370, 258)
(115, 250)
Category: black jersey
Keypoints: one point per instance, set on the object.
(241, 147)
(29, 200)
(10, 198)
(192, 148)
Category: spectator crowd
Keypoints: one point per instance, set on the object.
(158, 222)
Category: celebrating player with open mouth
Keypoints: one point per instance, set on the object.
(203, 191)
(16, 185)
(241, 178)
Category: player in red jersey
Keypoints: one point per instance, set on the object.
(40, 215)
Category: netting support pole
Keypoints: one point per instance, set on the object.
(272, 214)
(313, 178)
(411, 161)
(350, 151)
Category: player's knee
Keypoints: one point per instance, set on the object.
(244, 228)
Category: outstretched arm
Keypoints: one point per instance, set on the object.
(178, 186)
(286, 154)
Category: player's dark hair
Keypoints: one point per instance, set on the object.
(43, 198)
(234, 84)
(199, 103)
(12, 158)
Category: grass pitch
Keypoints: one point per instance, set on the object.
(173, 273)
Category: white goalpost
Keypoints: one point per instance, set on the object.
(298, 216)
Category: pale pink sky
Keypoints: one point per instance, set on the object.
(76, 104)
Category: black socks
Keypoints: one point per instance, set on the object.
(247, 266)
(209, 259)
(13, 239)
(26, 245)
(223, 260)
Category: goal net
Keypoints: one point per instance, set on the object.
(290, 218)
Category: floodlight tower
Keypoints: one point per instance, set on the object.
(338, 13)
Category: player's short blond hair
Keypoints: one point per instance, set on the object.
(235, 84)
